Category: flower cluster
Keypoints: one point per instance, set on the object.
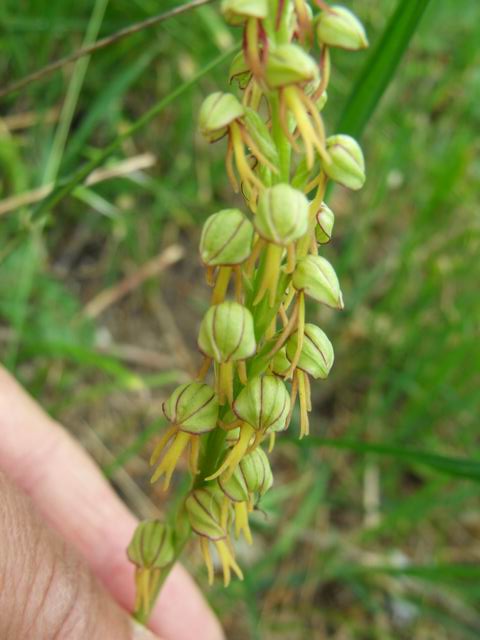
(259, 351)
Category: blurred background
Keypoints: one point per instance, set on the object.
(372, 528)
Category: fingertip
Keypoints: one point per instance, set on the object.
(182, 611)
(139, 632)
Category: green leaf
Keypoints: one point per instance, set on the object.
(65, 186)
(459, 467)
(381, 66)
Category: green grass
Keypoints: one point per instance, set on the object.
(370, 529)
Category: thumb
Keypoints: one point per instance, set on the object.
(46, 591)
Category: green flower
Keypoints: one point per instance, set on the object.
(317, 278)
(234, 486)
(226, 238)
(339, 27)
(236, 12)
(193, 407)
(289, 64)
(226, 333)
(280, 363)
(257, 472)
(204, 511)
(264, 404)
(282, 214)
(217, 112)
(316, 357)
(347, 165)
(252, 476)
(152, 545)
(210, 520)
(325, 221)
(239, 70)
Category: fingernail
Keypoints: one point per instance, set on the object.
(139, 632)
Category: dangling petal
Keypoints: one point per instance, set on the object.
(204, 545)
(241, 521)
(170, 459)
(302, 395)
(228, 562)
(236, 453)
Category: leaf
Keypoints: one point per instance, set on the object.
(459, 467)
(380, 67)
(65, 186)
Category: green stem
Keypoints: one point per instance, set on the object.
(281, 141)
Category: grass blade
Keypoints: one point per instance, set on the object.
(459, 467)
(65, 187)
(381, 66)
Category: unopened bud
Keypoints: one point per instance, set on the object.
(282, 214)
(253, 475)
(234, 485)
(339, 27)
(226, 333)
(325, 221)
(257, 472)
(204, 511)
(280, 363)
(316, 357)
(218, 110)
(152, 545)
(236, 12)
(317, 278)
(226, 238)
(347, 165)
(289, 64)
(264, 403)
(193, 407)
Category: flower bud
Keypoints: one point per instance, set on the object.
(152, 545)
(232, 436)
(193, 407)
(280, 363)
(204, 511)
(264, 403)
(218, 110)
(236, 12)
(282, 214)
(253, 475)
(317, 277)
(239, 70)
(226, 333)
(256, 471)
(226, 238)
(260, 135)
(339, 27)
(325, 221)
(347, 165)
(234, 485)
(289, 64)
(316, 357)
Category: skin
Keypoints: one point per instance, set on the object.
(63, 569)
